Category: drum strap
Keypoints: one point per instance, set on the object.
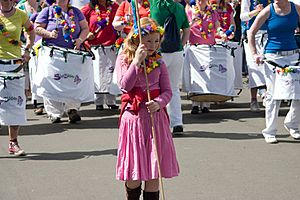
(5, 78)
(275, 64)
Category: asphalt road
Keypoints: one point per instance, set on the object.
(222, 156)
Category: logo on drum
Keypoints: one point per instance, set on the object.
(76, 78)
(220, 67)
(292, 82)
(19, 100)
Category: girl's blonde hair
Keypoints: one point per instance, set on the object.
(131, 43)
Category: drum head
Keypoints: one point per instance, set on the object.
(208, 97)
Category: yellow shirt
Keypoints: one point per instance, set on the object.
(12, 28)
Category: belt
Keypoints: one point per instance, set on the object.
(11, 62)
(287, 53)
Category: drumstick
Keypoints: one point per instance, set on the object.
(149, 99)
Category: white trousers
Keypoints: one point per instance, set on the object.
(107, 99)
(292, 119)
(57, 109)
(174, 62)
(256, 72)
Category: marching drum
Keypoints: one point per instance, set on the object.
(33, 62)
(12, 97)
(208, 73)
(287, 83)
(64, 75)
(237, 63)
(104, 75)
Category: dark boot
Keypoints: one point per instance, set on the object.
(151, 195)
(133, 194)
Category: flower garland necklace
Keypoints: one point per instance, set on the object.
(207, 16)
(6, 34)
(153, 62)
(103, 21)
(224, 15)
(67, 29)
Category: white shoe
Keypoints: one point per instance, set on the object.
(270, 139)
(295, 133)
(254, 107)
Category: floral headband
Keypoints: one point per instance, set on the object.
(150, 28)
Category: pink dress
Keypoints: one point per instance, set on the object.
(136, 154)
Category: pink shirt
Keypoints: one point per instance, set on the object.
(130, 76)
(195, 35)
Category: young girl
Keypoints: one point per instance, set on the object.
(136, 149)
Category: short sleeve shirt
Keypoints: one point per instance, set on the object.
(160, 10)
(107, 35)
(47, 16)
(12, 26)
(124, 9)
(196, 36)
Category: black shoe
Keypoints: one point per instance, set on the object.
(113, 107)
(177, 130)
(99, 107)
(54, 120)
(205, 110)
(73, 116)
(195, 110)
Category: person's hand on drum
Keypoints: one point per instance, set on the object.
(140, 55)
(90, 36)
(152, 106)
(26, 56)
(258, 59)
(77, 43)
(53, 34)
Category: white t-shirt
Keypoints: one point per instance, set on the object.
(79, 3)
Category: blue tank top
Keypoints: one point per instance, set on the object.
(253, 4)
(281, 30)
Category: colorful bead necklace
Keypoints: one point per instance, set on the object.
(67, 29)
(103, 21)
(153, 62)
(207, 16)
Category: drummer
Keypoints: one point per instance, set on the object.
(102, 37)
(55, 33)
(281, 19)
(12, 96)
(227, 24)
(204, 22)
(249, 10)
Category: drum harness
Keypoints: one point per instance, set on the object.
(232, 49)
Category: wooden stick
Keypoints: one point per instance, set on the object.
(149, 99)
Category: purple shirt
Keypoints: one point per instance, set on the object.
(46, 16)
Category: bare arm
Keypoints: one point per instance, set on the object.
(185, 36)
(84, 30)
(118, 24)
(246, 14)
(41, 31)
(30, 39)
(259, 21)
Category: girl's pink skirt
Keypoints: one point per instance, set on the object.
(136, 150)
